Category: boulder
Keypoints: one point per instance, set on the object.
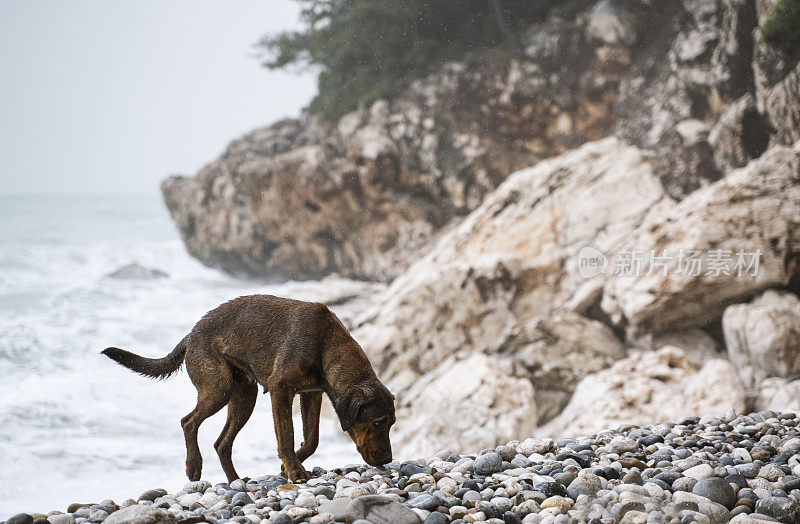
(763, 336)
(464, 405)
(499, 282)
(749, 218)
(778, 394)
(646, 388)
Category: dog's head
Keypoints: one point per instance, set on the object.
(366, 412)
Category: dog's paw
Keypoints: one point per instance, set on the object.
(296, 473)
(193, 470)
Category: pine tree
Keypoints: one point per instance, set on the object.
(364, 50)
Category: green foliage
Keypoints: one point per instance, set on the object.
(782, 31)
(370, 49)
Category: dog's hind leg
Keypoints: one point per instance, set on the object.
(240, 407)
(310, 406)
(213, 379)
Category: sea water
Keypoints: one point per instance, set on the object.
(75, 426)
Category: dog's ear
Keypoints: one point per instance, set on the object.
(348, 406)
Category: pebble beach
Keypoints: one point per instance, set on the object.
(708, 470)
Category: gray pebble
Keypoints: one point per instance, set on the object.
(783, 509)
(488, 463)
(424, 501)
(756, 475)
(20, 518)
(716, 489)
(239, 485)
(61, 519)
(436, 518)
(684, 484)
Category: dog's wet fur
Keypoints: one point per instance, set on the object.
(290, 347)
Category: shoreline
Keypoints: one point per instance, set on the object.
(728, 469)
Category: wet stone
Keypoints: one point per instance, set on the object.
(282, 518)
(783, 509)
(488, 463)
(550, 489)
(717, 490)
(20, 518)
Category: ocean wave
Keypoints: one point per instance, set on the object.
(70, 417)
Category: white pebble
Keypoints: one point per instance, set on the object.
(239, 485)
(306, 500)
(699, 472)
(345, 483)
(209, 499)
(188, 500)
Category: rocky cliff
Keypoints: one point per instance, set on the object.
(664, 128)
(304, 198)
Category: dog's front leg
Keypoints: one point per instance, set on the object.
(310, 404)
(284, 431)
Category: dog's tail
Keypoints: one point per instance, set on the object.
(150, 367)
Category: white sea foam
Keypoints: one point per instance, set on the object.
(74, 426)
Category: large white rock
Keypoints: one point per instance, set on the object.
(755, 209)
(763, 337)
(778, 394)
(646, 388)
(465, 405)
(499, 283)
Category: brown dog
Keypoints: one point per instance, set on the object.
(288, 347)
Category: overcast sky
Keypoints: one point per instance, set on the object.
(110, 97)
